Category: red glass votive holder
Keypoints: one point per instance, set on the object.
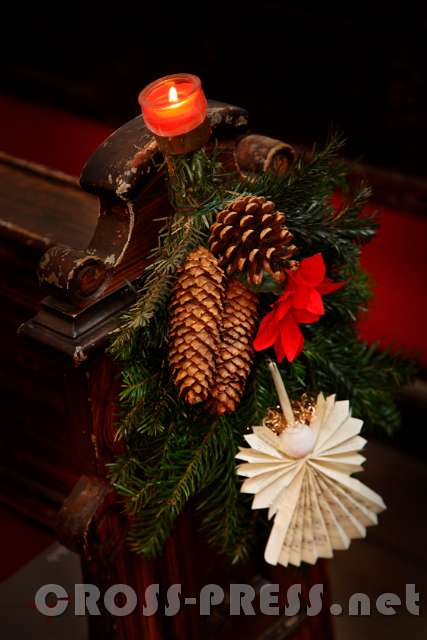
(174, 109)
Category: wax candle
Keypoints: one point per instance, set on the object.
(173, 105)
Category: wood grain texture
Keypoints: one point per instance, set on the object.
(40, 212)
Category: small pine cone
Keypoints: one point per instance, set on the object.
(236, 352)
(195, 316)
(249, 235)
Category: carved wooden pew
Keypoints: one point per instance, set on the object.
(59, 388)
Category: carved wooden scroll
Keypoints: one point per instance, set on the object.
(88, 287)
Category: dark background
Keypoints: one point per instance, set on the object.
(298, 69)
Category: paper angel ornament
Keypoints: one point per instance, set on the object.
(302, 476)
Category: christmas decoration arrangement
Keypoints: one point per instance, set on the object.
(255, 285)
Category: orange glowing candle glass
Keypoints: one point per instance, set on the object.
(173, 105)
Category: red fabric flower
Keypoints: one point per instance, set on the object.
(301, 302)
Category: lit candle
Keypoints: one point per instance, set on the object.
(173, 105)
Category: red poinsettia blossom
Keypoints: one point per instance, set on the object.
(300, 303)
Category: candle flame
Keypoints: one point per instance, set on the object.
(173, 94)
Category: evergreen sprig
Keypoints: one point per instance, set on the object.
(174, 453)
(176, 239)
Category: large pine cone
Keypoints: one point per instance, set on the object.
(195, 317)
(235, 354)
(250, 236)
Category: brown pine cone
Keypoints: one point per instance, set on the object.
(249, 235)
(236, 352)
(195, 316)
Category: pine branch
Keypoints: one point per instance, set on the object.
(228, 522)
(309, 180)
(176, 240)
(340, 363)
(194, 178)
(174, 452)
(351, 300)
(183, 472)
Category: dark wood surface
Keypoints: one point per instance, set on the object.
(39, 209)
(393, 189)
(89, 286)
(128, 158)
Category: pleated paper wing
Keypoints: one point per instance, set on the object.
(317, 507)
